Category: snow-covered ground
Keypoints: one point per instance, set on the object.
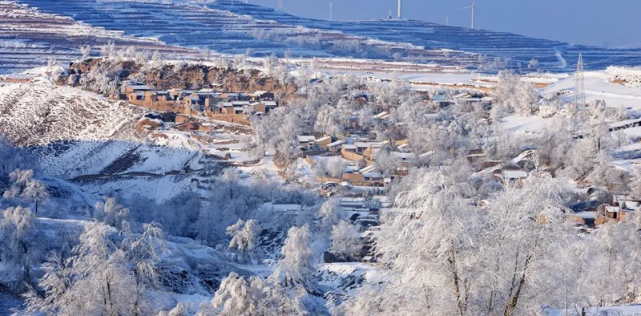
(598, 86)
(631, 310)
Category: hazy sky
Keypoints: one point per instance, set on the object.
(595, 22)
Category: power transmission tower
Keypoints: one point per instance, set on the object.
(280, 5)
(579, 77)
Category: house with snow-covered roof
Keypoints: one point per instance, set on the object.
(258, 96)
(510, 175)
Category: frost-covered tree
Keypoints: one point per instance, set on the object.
(108, 50)
(17, 249)
(554, 144)
(143, 252)
(244, 238)
(156, 59)
(85, 51)
(96, 280)
(345, 241)
(270, 65)
(110, 212)
(12, 158)
(254, 297)
(513, 95)
(179, 215)
(181, 309)
(328, 121)
(438, 250)
(55, 282)
(25, 187)
(526, 98)
(386, 162)
(330, 214)
(297, 265)
(635, 184)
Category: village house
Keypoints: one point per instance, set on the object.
(608, 213)
(134, 88)
(510, 175)
(441, 101)
(335, 147)
(225, 106)
(306, 140)
(405, 160)
(324, 142)
(258, 96)
(263, 107)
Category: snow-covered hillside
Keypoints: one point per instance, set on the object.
(30, 38)
(80, 135)
(39, 113)
(232, 27)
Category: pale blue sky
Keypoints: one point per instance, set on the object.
(594, 22)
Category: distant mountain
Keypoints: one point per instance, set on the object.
(233, 27)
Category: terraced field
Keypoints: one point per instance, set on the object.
(232, 29)
(29, 38)
(229, 27)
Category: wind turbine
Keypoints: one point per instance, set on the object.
(473, 7)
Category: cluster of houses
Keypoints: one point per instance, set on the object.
(362, 151)
(362, 154)
(232, 107)
(592, 213)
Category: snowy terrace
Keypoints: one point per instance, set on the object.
(232, 28)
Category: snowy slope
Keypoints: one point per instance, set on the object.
(29, 38)
(233, 26)
(39, 113)
(83, 137)
(600, 85)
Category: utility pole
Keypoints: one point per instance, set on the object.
(579, 77)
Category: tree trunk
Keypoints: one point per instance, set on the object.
(514, 299)
(455, 279)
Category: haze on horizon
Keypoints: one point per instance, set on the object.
(589, 22)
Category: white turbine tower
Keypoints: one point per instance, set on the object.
(473, 8)
(280, 5)
(400, 10)
(331, 12)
